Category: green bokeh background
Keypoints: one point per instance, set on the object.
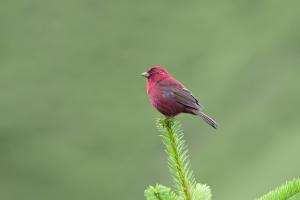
(75, 120)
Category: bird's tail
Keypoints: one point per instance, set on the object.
(206, 118)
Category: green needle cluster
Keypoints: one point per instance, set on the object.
(186, 187)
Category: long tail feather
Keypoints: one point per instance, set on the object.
(206, 118)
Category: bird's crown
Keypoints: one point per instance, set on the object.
(156, 70)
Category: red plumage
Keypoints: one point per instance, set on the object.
(170, 97)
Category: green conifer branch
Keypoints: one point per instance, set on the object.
(187, 188)
(178, 161)
(179, 165)
(160, 192)
(283, 192)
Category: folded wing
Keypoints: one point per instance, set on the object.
(185, 97)
(181, 94)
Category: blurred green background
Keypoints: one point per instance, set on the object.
(75, 120)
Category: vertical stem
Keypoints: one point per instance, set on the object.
(157, 196)
(179, 163)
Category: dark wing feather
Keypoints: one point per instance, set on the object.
(180, 93)
(185, 97)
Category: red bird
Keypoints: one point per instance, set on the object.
(170, 97)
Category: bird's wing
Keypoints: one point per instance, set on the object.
(181, 94)
(185, 97)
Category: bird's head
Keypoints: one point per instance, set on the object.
(155, 72)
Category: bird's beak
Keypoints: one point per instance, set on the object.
(145, 74)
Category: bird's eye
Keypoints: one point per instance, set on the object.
(155, 72)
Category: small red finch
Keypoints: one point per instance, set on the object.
(170, 97)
